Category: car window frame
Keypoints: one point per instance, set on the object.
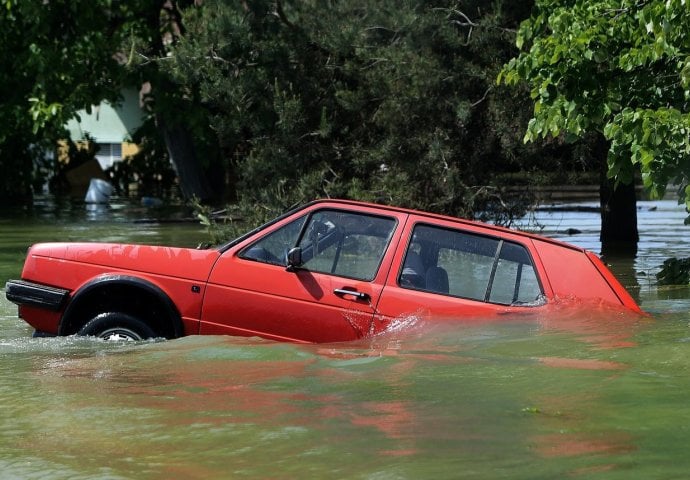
(384, 251)
(306, 220)
(539, 301)
(255, 231)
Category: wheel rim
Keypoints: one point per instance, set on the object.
(119, 334)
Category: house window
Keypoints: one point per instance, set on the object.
(108, 153)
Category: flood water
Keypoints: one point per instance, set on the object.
(586, 395)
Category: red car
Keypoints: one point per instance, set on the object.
(331, 271)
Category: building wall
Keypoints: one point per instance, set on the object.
(110, 126)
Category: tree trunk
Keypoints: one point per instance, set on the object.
(17, 165)
(618, 219)
(193, 181)
(164, 16)
(619, 235)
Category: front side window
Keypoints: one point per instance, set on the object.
(470, 266)
(273, 247)
(346, 244)
(341, 243)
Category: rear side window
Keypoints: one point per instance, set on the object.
(470, 266)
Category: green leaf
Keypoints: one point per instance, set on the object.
(646, 157)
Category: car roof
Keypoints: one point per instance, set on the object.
(436, 216)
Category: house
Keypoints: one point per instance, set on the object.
(110, 127)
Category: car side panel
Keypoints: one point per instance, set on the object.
(624, 296)
(266, 300)
(186, 294)
(398, 303)
(572, 274)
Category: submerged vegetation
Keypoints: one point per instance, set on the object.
(674, 271)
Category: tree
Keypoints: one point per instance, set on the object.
(50, 66)
(179, 119)
(618, 70)
(62, 56)
(394, 102)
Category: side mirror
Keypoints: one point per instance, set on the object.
(294, 259)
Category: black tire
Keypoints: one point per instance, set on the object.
(117, 326)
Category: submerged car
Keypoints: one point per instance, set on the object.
(330, 271)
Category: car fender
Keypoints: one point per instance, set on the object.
(139, 284)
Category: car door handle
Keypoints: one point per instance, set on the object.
(341, 292)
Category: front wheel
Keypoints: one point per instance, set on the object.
(117, 326)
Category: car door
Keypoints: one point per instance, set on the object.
(330, 296)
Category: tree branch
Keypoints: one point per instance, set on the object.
(486, 94)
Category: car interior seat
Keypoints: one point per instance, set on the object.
(437, 280)
(413, 272)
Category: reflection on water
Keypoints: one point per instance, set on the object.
(520, 400)
(587, 393)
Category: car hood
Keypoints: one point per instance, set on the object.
(170, 261)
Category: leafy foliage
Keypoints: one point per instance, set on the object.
(394, 103)
(619, 67)
(50, 66)
(62, 56)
